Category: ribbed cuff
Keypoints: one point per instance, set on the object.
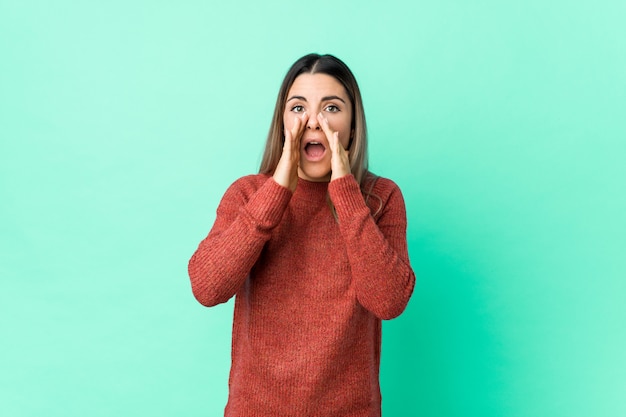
(268, 204)
(345, 193)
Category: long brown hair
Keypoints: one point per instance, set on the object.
(329, 65)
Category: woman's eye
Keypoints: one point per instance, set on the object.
(297, 109)
(332, 108)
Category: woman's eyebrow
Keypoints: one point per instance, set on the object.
(333, 98)
(327, 98)
(296, 98)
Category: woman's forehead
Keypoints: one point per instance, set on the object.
(312, 86)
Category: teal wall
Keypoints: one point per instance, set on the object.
(123, 122)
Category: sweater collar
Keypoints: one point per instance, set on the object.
(311, 189)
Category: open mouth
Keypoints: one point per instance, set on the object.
(314, 150)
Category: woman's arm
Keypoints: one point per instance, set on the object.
(244, 222)
(377, 250)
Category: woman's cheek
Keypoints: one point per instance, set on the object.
(343, 135)
(288, 120)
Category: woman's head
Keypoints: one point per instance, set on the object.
(319, 83)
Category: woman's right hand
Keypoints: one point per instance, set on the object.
(286, 173)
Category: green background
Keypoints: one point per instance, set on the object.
(123, 122)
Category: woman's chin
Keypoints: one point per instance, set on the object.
(315, 174)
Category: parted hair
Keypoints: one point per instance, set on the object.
(329, 65)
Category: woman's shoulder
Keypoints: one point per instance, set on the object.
(247, 185)
(379, 193)
(252, 180)
(378, 185)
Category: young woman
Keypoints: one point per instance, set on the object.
(313, 248)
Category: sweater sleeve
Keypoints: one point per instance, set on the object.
(244, 223)
(377, 249)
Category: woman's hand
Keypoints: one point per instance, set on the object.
(339, 162)
(286, 173)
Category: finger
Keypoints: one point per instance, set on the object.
(299, 129)
(296, 126)
(296, 134)
(323, 121)
(335, 143)
(333, 137)
(287, 141)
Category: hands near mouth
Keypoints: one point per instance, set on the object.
(339, 161)
(286, 173)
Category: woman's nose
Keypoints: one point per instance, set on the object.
(312, 123)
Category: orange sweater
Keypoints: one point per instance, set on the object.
(311, 291)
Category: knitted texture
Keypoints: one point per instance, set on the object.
(311, 290)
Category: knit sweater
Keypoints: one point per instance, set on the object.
(311, 290)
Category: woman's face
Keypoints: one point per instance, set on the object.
(309, 95)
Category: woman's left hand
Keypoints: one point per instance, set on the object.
(339, 162)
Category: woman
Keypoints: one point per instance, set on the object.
(314, 249)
